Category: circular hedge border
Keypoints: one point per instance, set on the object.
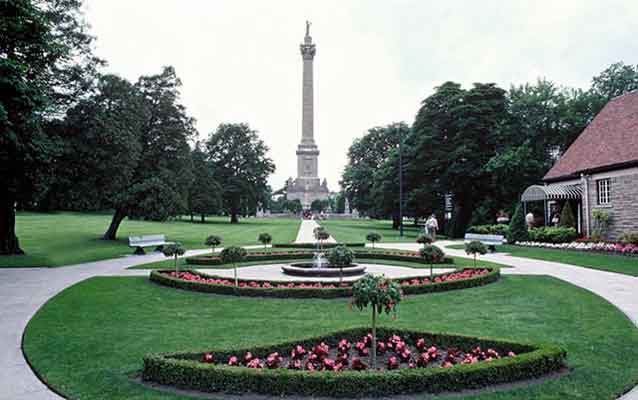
(392, 255)
(186, 371)
(162, 277)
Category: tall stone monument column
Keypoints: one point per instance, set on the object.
(307, 187)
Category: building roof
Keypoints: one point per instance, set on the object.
(610, 141)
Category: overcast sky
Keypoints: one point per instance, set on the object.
(239, 61)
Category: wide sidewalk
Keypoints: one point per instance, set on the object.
(24, 290)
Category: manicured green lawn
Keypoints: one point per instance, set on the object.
(56, 239)
(89, 340)
(355, 230)
(603, 262)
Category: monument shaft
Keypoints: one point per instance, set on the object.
(307, 187)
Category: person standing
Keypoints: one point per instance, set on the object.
(529, 219)
(431, 226)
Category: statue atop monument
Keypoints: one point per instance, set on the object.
(308, 187)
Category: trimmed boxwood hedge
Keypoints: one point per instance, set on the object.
(407, 256)
(186, 371)
(162, 277)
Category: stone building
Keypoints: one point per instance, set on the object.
(599, 171)
(308, 187)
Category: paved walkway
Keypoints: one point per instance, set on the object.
(306, 232)
(23, 291)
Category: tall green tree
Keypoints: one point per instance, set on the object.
(159, 186)
(204, 192)
(239, 158)
(45, 64)
(365, 157)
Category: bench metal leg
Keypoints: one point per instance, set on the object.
(139, 251)
(491, 248)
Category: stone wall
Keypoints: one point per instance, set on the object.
(623, 208)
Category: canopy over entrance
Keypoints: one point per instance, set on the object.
(552, 192)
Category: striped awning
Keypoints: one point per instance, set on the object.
(552, 192)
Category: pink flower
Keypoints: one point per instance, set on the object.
(208, 358)
(420, 344)
(273, 360)
(393, 363)
(358, 365)
(233, 361)
(255, 363)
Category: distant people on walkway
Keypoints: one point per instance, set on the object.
(431, 226)
(529, 218)
(502, 217)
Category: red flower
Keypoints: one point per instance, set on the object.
(511, 354)
(248, 357)
(381, 348)
(343, 346)
(358, 365)
(233, 361)
(423, 360)
(273, 360)
(393, 363)
(298, 352)
(294, 364)
(420, 344)
(255, 363)
(405, 355)
(208, 358)
(362, 349)
(328, 364)
(321, 350)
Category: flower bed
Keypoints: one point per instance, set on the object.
(409, 256)
(599, 247)
(200, 282)
(338, 365)
(314, 246)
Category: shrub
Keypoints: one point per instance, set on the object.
(601, 224)
(186, 370)
(629, 238)
(174, 250)
(549, 234)
(381, 295)
(265, 239)
(373, 237)
(518, 227)
(233, 255)
(498, 229)
(213, 241)
(431, 254)
(567, 217)
(475, 247)
(424, 239)
(340, 256)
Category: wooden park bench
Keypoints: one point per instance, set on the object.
(491, 241)
(139, 242)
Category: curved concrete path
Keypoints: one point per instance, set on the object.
(24, 290)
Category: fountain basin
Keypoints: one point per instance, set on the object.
(310, 269)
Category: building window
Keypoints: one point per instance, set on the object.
(604, 191)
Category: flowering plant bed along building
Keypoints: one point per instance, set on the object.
(338, 365)
(198, 281)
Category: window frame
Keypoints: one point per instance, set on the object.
(603, 191)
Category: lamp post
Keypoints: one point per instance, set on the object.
(400, 183)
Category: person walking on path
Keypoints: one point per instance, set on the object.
(431, 226)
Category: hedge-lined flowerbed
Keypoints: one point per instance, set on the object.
(187, 371)
(409, 256)
(299, 289)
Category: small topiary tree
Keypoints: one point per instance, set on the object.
(424, 239)
(373, 237)
(340, 256)
(431, 254)
(321, 234)
(213, 241)
(567, 219)
(382, 295)
(475, 247)
(233, 255)
(174, 250)
(265, 239)
(518, 227)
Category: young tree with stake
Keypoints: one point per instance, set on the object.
(373, 237)
(382, 295)
(265, 239)
(174, 250)
(340, 256)
(233, 255)
(431, 253)
(213, 241)
(475, 247)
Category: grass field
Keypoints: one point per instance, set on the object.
(603, 262)
(355, 230)
(88, 341)
(56, 239)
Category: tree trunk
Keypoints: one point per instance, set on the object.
(233, 217)
(395, 221)
(192, 218)
(9, 244)
(374, 337)
(118, 217)
(203, 218)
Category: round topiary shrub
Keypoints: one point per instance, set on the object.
(233, 255)
(373, 237)
(265, 239)
(474, 248)
(432, 255)
(213, 241)
(340, 257)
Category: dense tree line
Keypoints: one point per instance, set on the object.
(73, 138)
(482, 145)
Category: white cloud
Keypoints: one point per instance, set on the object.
(376, 60)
